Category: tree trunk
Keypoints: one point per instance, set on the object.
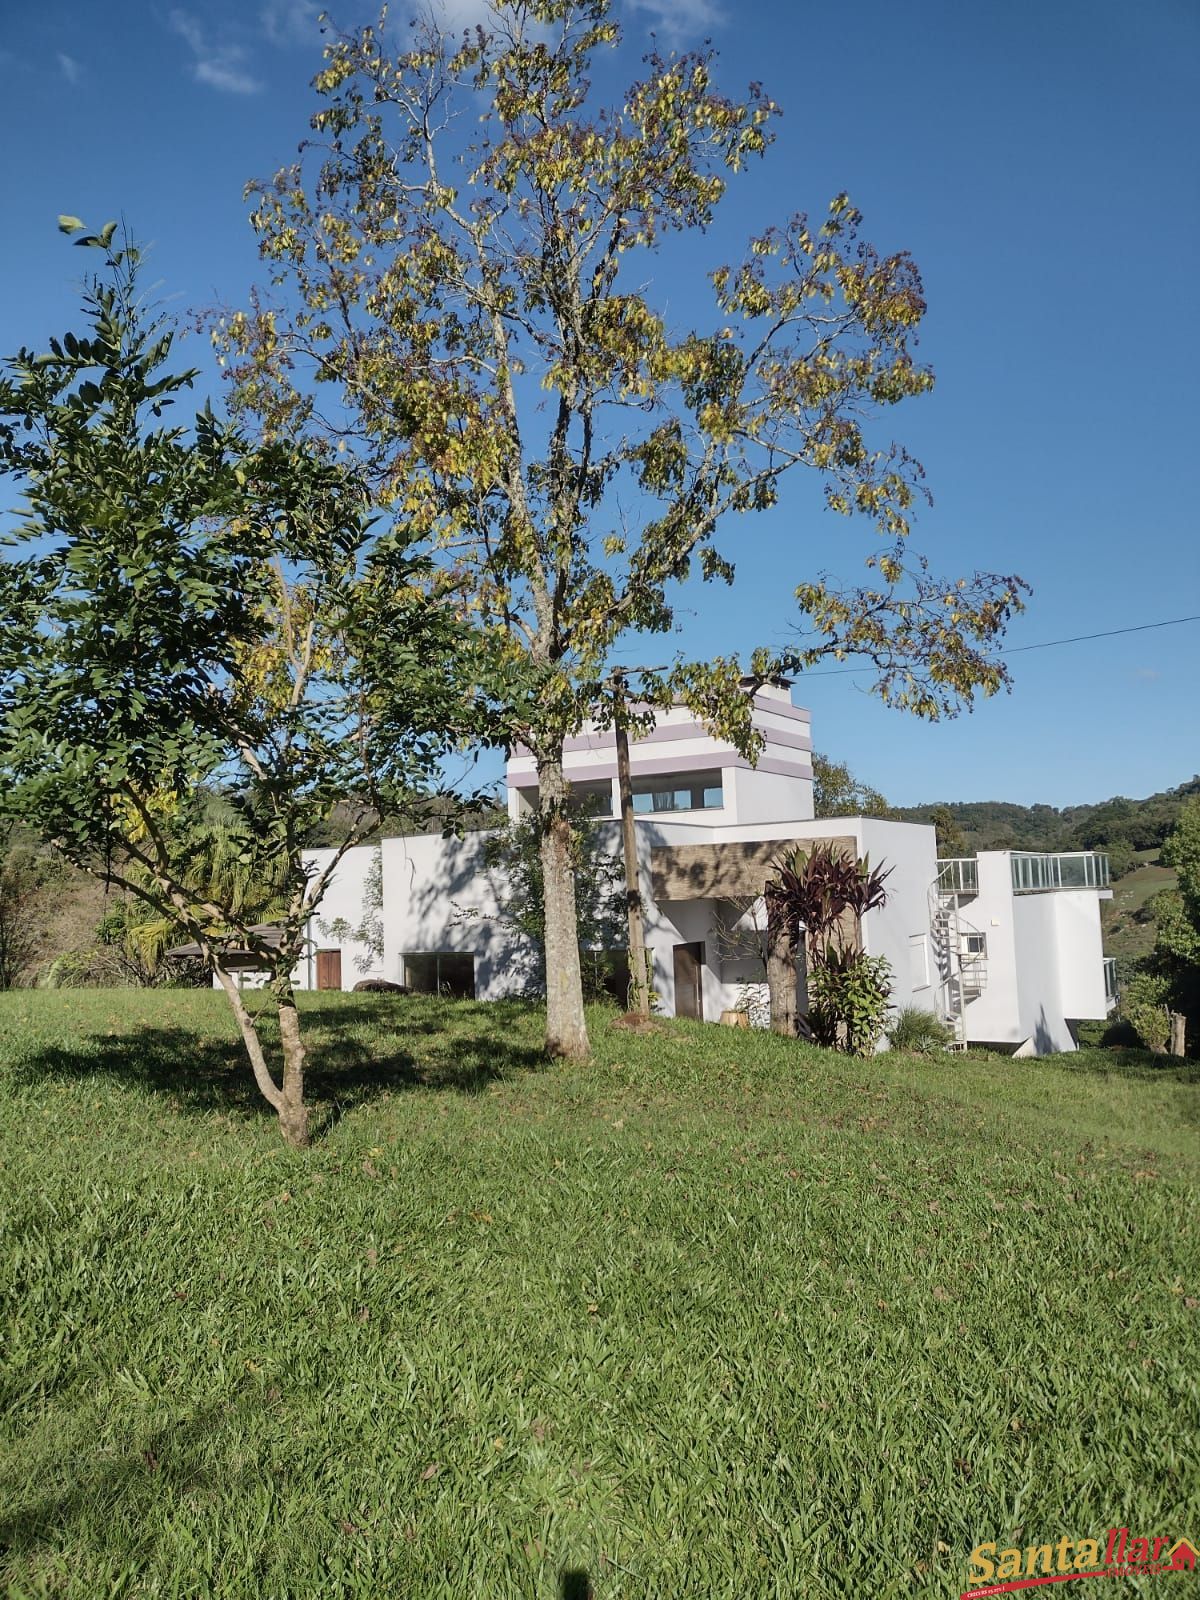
(1177, 1045)
(781, 976)
(566, 1030)
(254, 1049)
(288, 1102)
(639, 998)
(293, 1113)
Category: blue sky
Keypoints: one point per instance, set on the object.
(1038, 159)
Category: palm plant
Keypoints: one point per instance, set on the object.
(222, 873)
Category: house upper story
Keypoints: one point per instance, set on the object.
(680, 773)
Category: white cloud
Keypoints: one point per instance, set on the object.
(221, 64)
(459, 14)
(681, 22)
(69, 67)
(455, 15)
(287, 22)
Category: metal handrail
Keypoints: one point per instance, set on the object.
(958, 875)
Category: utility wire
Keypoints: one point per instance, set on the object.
(1047, 644)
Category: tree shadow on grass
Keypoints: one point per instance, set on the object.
(1119, 1061)
(354, 1056)
(88, 1483)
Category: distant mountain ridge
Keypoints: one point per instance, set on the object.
(1118, 824)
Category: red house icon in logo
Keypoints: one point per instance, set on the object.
(1183, 1556)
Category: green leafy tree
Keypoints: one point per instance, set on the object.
(951, 840)
(1144, 1005)
(469, 301)
(838, 793)
(186, 613)
(218, 872)
(1177, 915)
(1166, 983)
(1182, 851)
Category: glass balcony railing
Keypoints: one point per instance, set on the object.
(1110, 977)
(958, 875)
(1080, 869)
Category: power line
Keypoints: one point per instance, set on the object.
(1046, 644)
(1109, 633)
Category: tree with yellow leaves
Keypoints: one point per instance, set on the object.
(463, 294)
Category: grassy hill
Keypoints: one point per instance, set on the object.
(1128, 918)
(716, 1315)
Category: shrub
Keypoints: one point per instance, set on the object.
(1143, 1005)
(848, 1000)
(919, 1032)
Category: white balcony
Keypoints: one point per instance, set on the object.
(1033, 873)
(958, 875)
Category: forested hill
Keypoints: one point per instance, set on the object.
(1119, 824)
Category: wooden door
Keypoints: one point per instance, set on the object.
(329, 969)
(689, 984)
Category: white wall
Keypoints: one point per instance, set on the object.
(1081, 953)
(441, 895)
(910, 849)
(343, 901)
(993, 1017)
(1042, 1025)
(769, 797)
(1044, 961)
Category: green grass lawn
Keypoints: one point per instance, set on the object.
(715, 1316)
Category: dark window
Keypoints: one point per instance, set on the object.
(592, 801)
(589, 802)
(606, 975)
(440, 972)
(683, 791)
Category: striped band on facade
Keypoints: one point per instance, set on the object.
(672, 732)
(664, 765)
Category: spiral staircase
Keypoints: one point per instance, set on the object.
(959, 948)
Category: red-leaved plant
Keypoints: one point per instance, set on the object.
(824, 892)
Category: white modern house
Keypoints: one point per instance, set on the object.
(1005, 946)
